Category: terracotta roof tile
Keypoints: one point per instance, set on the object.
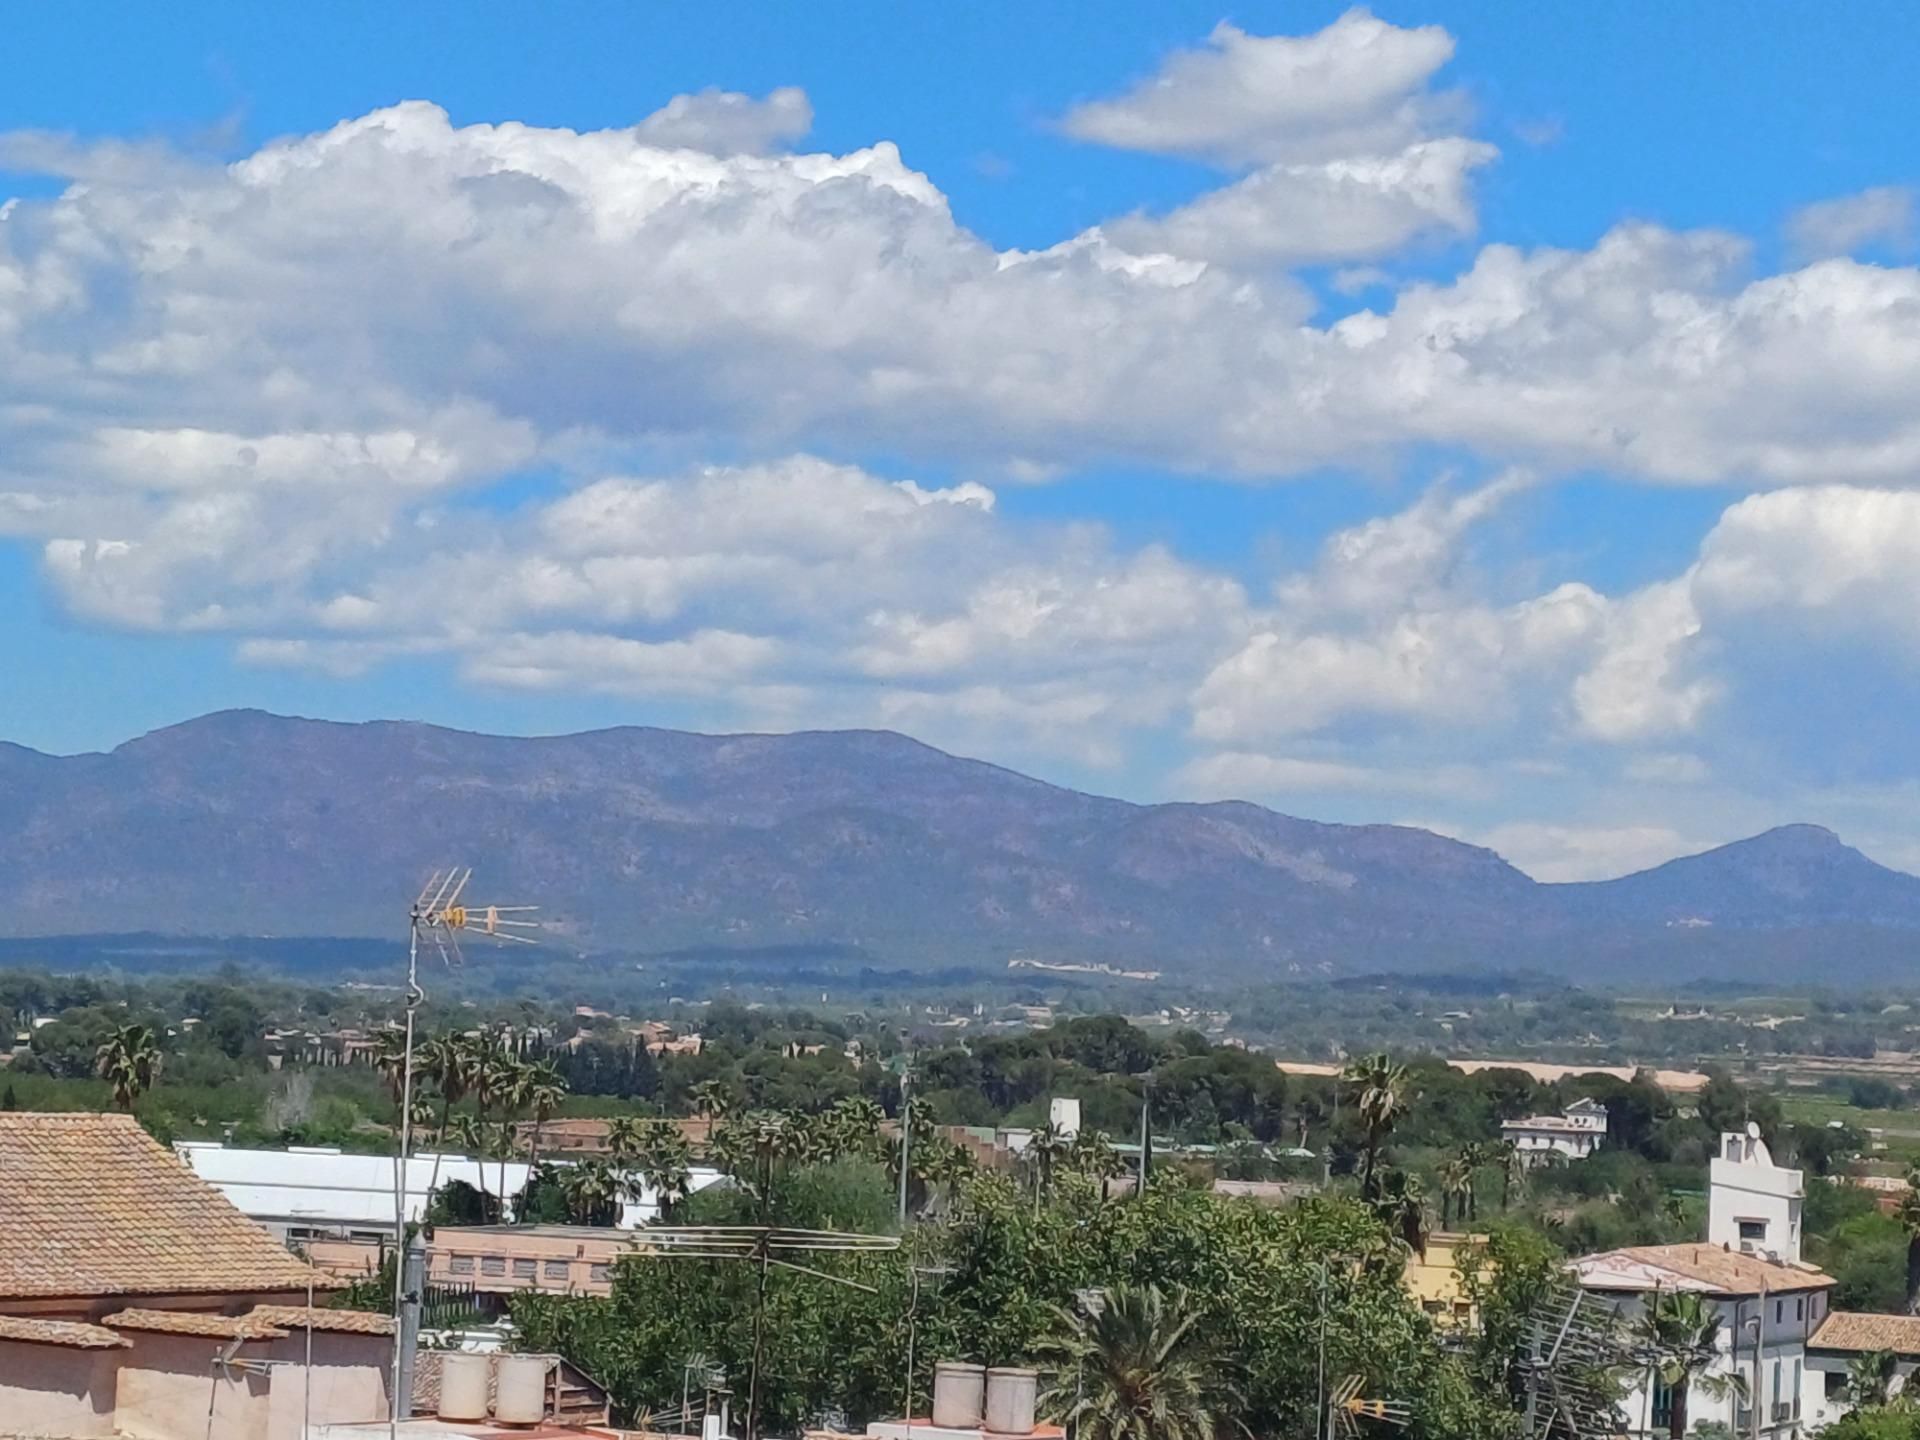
(94, 1206)
(75, 1333)
(296, 1317)
(1703, 1267)
(1854, 1330)
(194, 1322)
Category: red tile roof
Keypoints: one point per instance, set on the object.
(74, 1333)
(194, 1322)
(348, 1322)
(92, 1205)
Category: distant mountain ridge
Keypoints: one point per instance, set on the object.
(643, 840)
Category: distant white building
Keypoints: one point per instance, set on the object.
(321, 1193)
(1574, 1134)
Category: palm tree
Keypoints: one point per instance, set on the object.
(1870, 1377)
(854, 1124)
(1048, 1148)
(1093, 1155)
(1473, 1156)
(1139, 1368)
(545, 1091)
(1513, 1170)
(1679, 1331)
(1456, 1183)
(466, 1132)
(945, 1164)
(1379, 1086)
(665, 1162)
(448, 1061)
(128, 1061)
(515, 1094)
(711, 1100)
(390, 1059)
(1908, 1214)
(591, 1190)
(1400, 1206)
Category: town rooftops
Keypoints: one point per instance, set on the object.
(1697, 1266)
(1854, 1331)
(93, 1206)
(75, 1334)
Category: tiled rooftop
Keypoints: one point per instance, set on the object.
(73, 1333)
(298, 1317)
(190, 1322)
(1855, 1330)
(94, 1206)
(1706, 1268)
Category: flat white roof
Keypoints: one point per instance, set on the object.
(317, 1186)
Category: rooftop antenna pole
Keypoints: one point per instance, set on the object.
(437, 912)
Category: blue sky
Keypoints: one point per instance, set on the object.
(1489, 418)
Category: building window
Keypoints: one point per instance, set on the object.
(523, 1269)
(1779, 1314)
(556, 1269)
(493, 1265)
(1662, 1405)
(1798, 1376)
(598, 1274)
(1836, 1385)
(1800, 1308)
(1753, 1230)
(461, 1265)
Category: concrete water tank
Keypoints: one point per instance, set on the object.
(520, 1389)
(959, 1395)
(1010, 1399)
(463, 1387)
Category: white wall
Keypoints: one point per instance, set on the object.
(1753, 1204)
(1786, 1323)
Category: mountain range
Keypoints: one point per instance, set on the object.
(639, 840)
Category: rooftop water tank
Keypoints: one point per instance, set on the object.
(463, 1387)
(959, 1395)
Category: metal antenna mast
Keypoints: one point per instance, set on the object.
(439, 914)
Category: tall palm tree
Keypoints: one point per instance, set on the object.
(1908, 1214)
(515, 1096)
(1093, 1155)
(492, 1085)
(1379, 1085)
(1513, 1170)
(128, 1062)
(1679, 1331)
(1140, 1368)
(448, 1061)
(545, 1091)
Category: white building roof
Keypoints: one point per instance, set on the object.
(325, 1187)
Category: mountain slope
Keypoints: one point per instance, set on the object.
(641, 840)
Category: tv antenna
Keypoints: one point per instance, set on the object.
(1570, 1376)
(442, 914)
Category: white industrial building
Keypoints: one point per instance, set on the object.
(321, 1193)
(1574, 1134)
